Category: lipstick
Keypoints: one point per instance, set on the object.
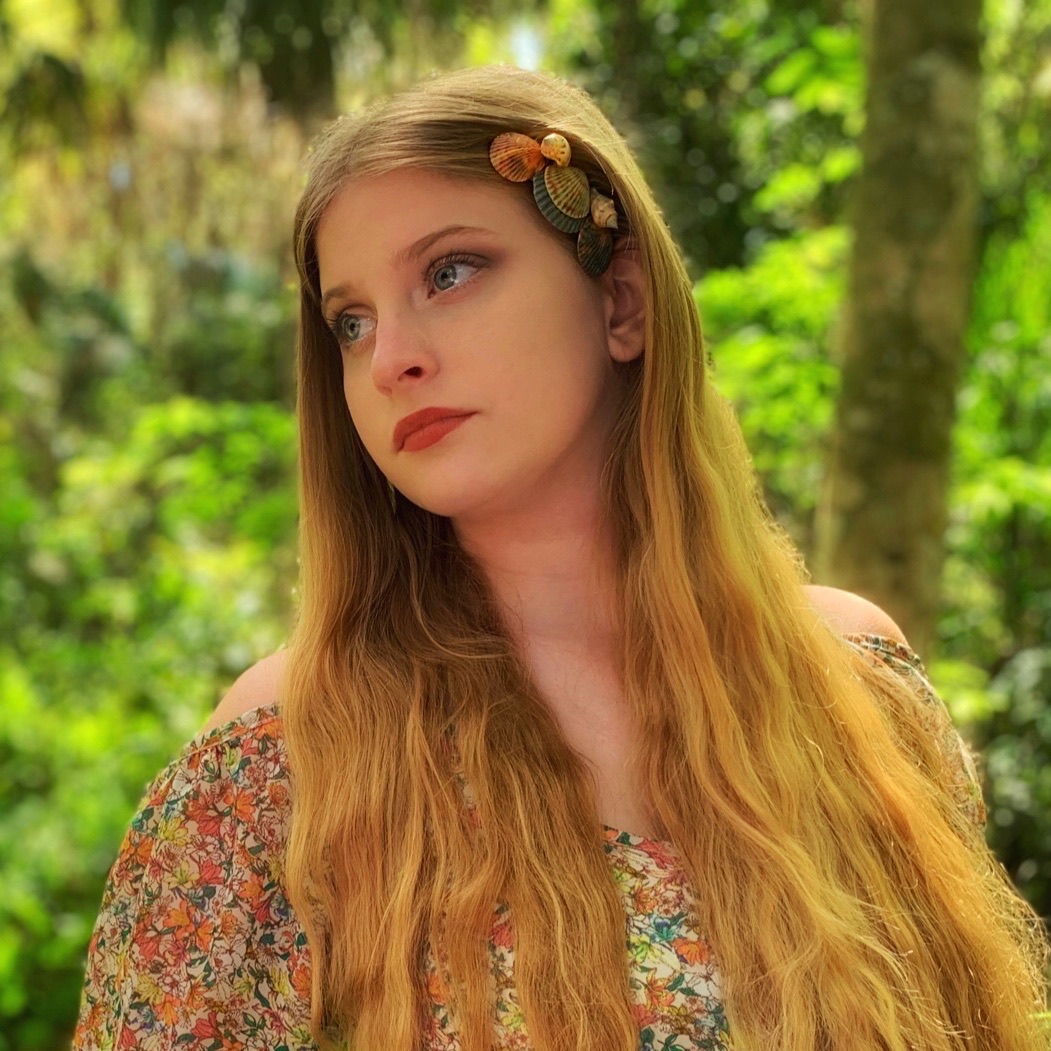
(422, 429)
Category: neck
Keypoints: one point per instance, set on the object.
(552, 573)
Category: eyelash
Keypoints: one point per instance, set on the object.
(432, 268)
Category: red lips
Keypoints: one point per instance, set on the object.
(416, 420)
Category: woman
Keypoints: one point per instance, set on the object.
(579, 760)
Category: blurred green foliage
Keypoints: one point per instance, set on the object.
(147, 547)
(769, 329)
(744, 113)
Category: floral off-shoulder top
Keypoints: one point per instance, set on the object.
(196, 944)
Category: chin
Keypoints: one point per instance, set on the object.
(452, 497)
(447, 501)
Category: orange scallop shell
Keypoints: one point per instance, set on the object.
(516, 157)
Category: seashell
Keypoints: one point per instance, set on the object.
(554, 203)
(556, 148)
(568, 189)
(516, 157)
(594, 248)
(603, 210)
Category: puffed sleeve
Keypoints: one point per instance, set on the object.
(965, 783)
(195, 943)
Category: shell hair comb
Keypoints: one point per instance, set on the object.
(562, 193)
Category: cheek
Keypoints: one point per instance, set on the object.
(567, 342)
(366, 416)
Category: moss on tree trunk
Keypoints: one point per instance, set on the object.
(882, 515)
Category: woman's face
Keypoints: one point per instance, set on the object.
(453, 294)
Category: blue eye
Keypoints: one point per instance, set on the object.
(448, 273)
(351, 328)
(445, 276)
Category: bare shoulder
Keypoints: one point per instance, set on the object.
(847, 613)
(256, 687)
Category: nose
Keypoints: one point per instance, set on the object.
(401, 353)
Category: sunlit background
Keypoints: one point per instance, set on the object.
(150, 159)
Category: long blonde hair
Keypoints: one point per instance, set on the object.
(848, 902)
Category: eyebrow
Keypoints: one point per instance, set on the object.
(410, 253)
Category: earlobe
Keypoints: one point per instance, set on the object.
(625, 305)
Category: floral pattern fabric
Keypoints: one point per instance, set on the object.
(964, 780)
(197, 946)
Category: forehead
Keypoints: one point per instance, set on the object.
(402, 205)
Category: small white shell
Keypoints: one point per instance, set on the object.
(555, 148)
(603, 210)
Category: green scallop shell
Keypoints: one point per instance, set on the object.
(594, 248)
(559, 197)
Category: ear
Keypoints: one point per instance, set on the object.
(625, 288)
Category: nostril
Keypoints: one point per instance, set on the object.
(414, 371)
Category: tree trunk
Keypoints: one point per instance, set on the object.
(882, 516)
(299, 72)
